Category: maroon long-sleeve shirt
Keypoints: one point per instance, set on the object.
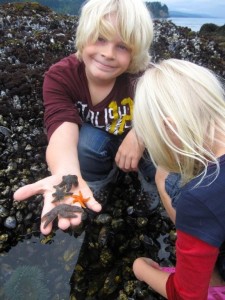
(67, 99)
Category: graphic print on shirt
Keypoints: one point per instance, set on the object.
(115, 119)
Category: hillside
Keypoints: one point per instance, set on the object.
(72, 7)
(178, 14)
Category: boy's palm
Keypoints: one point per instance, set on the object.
(46, 187)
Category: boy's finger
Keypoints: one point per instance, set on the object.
(63, 223)
(27, 191)
(93, 205)
(76, 221)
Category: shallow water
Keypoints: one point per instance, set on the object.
(54, 256)
(196, 23)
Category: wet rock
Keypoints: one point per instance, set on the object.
(10, 222)
(4, 212)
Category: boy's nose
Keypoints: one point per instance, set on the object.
(108, 51)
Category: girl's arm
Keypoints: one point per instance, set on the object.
(160, 178)
(147, 270)
(195, 261)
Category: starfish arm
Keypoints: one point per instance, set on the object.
(80, 199)
(75, 208)
(47, 215)
(68, 214)
(56, 200)
(67, 194)
(49, 219)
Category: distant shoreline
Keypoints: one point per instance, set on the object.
(194, 17)
(179, 14)
(195, 23)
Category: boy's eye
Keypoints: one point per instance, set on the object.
(101, 39)
(123, 47)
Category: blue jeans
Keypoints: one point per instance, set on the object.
(97, 150)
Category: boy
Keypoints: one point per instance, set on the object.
(88, 99)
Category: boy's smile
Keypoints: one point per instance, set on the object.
(105, 60)
(103, 65)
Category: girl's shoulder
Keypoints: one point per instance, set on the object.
(201, 210)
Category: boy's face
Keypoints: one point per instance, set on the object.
(106, 59)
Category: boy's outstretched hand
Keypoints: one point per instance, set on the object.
(47, 187)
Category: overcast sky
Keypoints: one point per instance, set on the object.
(214, 8)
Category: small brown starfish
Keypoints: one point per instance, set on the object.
(68, 181)
(80, 199)
(60, 194)
(63, 210)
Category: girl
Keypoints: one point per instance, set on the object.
(179, 114)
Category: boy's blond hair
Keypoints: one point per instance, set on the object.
(134, 24)
(188, 100)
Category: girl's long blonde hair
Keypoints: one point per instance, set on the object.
(134, 25)
(193, 98)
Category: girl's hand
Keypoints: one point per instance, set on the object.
(149, 271)
(46, 187)
(141, 263)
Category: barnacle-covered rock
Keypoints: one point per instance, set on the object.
(112, 281)
(106, 257)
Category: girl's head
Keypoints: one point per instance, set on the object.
(179, 114)
(134, 26)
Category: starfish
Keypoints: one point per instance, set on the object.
(63, 210)
(80, 199)
(60, 194)
(68, 181)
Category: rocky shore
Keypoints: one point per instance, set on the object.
(32, 38)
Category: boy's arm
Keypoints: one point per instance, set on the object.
(62, 159)
(61, 154)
